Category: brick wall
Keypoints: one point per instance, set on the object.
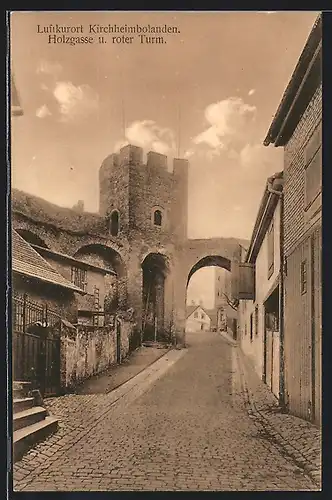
(294, 169)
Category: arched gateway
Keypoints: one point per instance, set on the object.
(146, 246)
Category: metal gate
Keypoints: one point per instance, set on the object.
(36, 345)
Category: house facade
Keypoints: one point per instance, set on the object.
(90, 275)
(297, 127)
(42, 299)
(259, 316)
(197, 320)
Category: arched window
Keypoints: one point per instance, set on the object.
(157, 218)
(114, 223)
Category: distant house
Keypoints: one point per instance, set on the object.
(226, 315)
(197, 319)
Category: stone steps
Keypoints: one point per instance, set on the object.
(31, 422)
(20, 404)
(25, 438)
(28, 417)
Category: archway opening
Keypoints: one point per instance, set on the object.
(157, 218)
(31, 237)
(209, 305)
(155, 270)
(114, 223)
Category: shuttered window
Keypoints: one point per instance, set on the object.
(270, 245)
(79, 277)
(256, 320)
(313, 166)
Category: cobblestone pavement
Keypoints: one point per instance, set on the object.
(180, 425)
(299, 439)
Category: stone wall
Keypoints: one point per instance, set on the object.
(87, 350)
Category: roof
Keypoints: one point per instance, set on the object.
(15, 104)
(28, 262)
(266, 209)
(191, 309)
(40, 210)
(302, 85)
(63, 256)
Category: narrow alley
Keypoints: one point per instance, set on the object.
(180, 424)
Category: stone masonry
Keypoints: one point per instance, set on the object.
(134, 191)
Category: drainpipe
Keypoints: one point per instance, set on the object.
(282, 400)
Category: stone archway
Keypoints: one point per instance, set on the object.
(194, 255)
(155, 297)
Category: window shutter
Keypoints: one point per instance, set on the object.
(243, 281)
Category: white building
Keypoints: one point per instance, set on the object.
(259, 316)
(197, 319)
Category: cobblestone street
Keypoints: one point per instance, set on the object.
(182, 424)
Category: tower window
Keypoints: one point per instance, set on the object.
(114, 223)
(157, 218)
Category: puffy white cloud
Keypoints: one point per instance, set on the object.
(43, 111)
(254, 155)
(228, 122)
(150, 136)
(75, 101)
(251, 92)
(189, 153)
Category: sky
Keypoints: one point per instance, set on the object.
(209, 92)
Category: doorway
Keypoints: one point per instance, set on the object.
(272, 342)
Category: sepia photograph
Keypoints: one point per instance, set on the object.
(165, 201)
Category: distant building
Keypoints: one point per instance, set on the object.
(297, 127)
(226, 315)
(197, 319)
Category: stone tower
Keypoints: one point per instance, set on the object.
(146, 204)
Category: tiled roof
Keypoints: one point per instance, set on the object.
(26, 261)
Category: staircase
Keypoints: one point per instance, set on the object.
(31, 422)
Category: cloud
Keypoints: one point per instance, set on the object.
(43, 111)
(49, 68)
(251, 92)
(150, 136)
(189, 153)
(227, 121)
(75, 102)
(253, 155)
